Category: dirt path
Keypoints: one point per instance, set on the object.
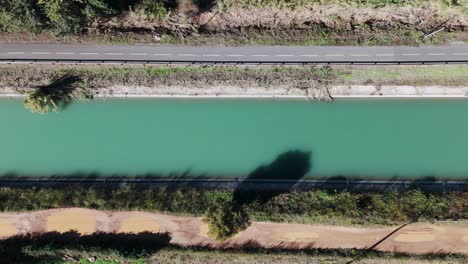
(414, 238)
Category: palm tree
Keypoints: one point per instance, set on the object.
(54, 95)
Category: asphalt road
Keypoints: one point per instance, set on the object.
(217, 54)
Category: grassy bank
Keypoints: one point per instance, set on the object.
(230, 22)
(449, 75)
(198, 77)
(94, 77)
(193, 256)
(327, 207)
(47, 251)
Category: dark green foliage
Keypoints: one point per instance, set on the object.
(58, 16)
(225, 218)
(154, 8)
(18, 16)
(72, 16)
(311, 206)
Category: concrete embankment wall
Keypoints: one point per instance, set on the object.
(336, 91)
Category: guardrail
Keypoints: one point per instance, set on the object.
(228, 62)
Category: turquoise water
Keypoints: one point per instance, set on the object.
(378, 138)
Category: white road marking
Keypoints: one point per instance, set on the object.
(387, 54)
(259, 55)
(113, 53)
(89, 53)
(64, 53)
(284, 55)
(309, 55)
(16, 52)
(410, 54)
(157, 54)
(334, 55)
(235, 55)
(436, 54)
(40, 52)
(192, 55)
(460, 54)
(138, 54)
(359, 55)
(211, 55)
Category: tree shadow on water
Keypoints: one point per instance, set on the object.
(278, 177)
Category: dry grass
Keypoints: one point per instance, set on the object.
(313, 81)
(96, 77)
(212, 257)
(448, 75)
(279, 22)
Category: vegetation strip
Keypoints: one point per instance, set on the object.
(139, 249)
(351, 22)
(319, 206)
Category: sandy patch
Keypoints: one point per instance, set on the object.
(7, 228)
(63, 221)
(204, 231)
(415, 237)
(297, 236)
(137, 224)
(465, 239)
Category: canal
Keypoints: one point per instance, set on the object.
(233, 137)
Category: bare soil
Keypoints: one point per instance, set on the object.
(420, 238)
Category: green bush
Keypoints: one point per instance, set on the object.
(225, 218)
(72, 16)
(19, 16)
(154, 9)
(58, 16)
(316, 206)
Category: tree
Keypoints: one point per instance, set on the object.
(225, 218)
(54, 95)
(72, 16)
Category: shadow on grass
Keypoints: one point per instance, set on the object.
(338, 255)
(12, 249)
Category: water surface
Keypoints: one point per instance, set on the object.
(368, 138)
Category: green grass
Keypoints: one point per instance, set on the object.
(172, 255)
(96, 77)
(326, 207)
(451, 75)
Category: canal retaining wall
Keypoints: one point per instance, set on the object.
(336, 91)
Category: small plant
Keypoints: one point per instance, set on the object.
(226, 218)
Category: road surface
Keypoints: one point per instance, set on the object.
(215, 54)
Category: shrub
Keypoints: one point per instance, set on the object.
(225, 219)
(18, 16)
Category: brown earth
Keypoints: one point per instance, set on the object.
(415, 238)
